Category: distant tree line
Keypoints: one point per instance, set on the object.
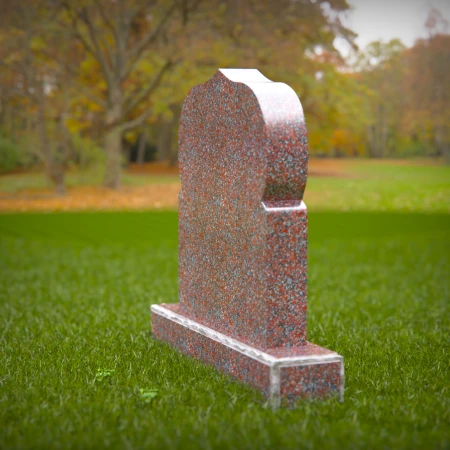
(87, 82)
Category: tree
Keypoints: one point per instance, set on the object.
(282, 39)
(37, 81)
(132, 45)
(111, 67)
(426, 87)
(381, 70)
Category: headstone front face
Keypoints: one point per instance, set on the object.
(243, 160)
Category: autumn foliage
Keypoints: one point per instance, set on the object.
(102, 81)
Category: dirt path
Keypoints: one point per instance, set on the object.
(154, 196)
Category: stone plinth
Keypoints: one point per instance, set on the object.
(243, 226)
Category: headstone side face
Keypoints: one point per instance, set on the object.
(243, 232)
(286, 276)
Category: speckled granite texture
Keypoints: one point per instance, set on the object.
(243, 226)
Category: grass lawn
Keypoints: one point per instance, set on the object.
(371, 185)
(76, 350)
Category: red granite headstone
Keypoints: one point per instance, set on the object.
(243, 160)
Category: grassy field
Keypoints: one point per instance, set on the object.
(379, 186)
(78, 366)
(79, 369)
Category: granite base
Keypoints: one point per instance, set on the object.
(283, 375)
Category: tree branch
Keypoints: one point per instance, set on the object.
(137, 122)
(136, 53)
(76, 32)
(124, 18)
(136, 98)
(186, 10)
(91, 96)
(95, 36)
(74, 15)
(105, 18)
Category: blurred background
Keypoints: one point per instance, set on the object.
(90, 98)
(91, 93)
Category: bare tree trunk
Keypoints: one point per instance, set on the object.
(55, 170)
(163, 150)
(169, 141)
(113, 140)
(441, 144)
(3, 104)
(141, 148)
(60, 154)
(173, 155)
(166, 149)
(446, 152)
(113, 167)
(126, 152)
(58, 178)
(371, 139)
(384, 139)
(381, 132)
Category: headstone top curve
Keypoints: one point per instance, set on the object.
(235, 103)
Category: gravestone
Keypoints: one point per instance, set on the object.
(243, 159)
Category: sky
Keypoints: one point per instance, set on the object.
(388, 19)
